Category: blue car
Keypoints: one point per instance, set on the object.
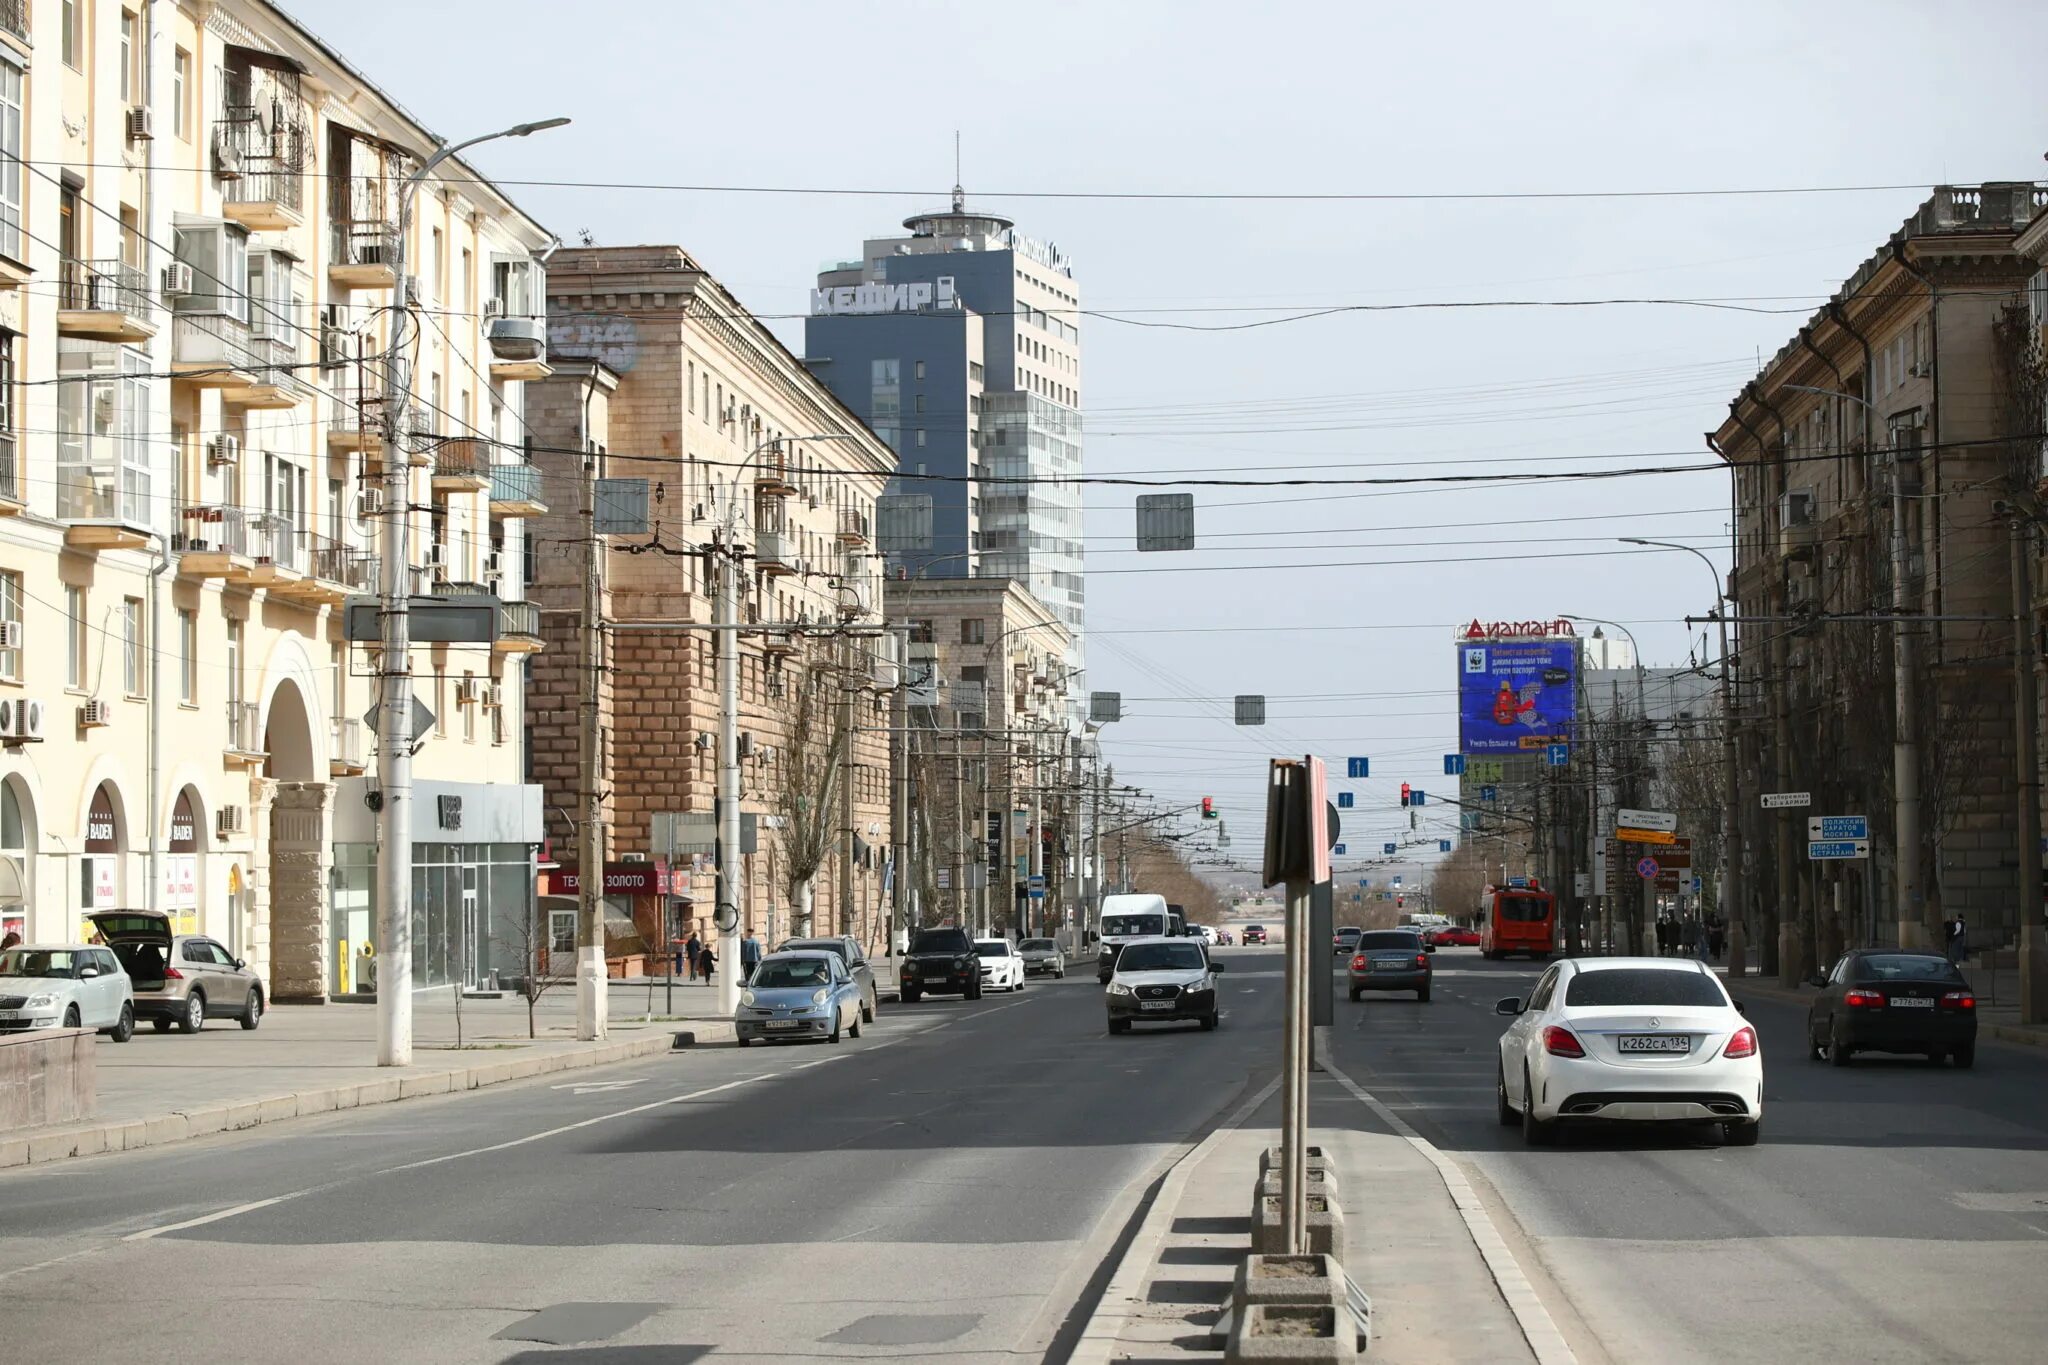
(793, 995)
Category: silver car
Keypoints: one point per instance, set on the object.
(1042, 957)
(847, 949)
(805, 994)
(180, 979)
(68, 985)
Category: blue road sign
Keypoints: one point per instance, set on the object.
(1557, 755)
(1838, 827)
(1388, 849)
(1037, 883)
(1454, 765)
(1397, 881)
(1695, 886)
(1518, 881)
(1357, 767)
(1037, 893)
(1443, 845)
(1365, 881)
(1823, 849)
(1338, 850)
(1418, 797)
(1344, 801)
(1489, 793)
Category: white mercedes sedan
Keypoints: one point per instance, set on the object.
(1632, 1040)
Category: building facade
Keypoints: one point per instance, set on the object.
(198, 247)
(1875, 463)
(669, 384)
(960, 343)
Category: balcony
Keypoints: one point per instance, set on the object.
(365, 256)
(335, 572)
(274, 543)
(775, 553)
(213, 542)
(345, 748)
(462, 466)
(14, 18)
(772, 474)
(261, 147)
(518, 628)
(245, 735)
(853, 527)
(105, 301)
(515, 491)
(277, 384)
(211, 351)
(356, 426)
(780, 644)
(107, 504)
(13, 501)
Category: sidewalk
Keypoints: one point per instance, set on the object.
(1998, 1016)
(167, 1087)
(1407, 1246)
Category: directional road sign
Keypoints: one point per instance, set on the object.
(1397, 881)
(1557, 755)
(1358, 767)
(1647, 868)
(1365, 881)
(1345, 801)
(1418, 797)
(1387, 849)
(1787, 800)
(1454, 765)
(1838, 827)
(1630, 835)
(1489, 793)
(1338, 850)
(1825, 849)
(1646, 819)
(1443, 845)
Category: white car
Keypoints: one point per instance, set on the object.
(1002, 966)
(1630, 1039)
(65, 985)
(1208, 934)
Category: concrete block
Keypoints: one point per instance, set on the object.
(210, 1119)
(1291, 1334)
(277, 1109)
(377, 1092)
(168, 1128)
(1270, 1159)
(126, 1137)
(71, 1142)
(433, 1083)
(322, 1101)
(1312, 1279)
(1321, 1180)
(246, 1115)
(1325, 1226)
(13, 1152)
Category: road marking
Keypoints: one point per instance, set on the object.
(591, 1087)
(1538, 1328)
(238, 1209)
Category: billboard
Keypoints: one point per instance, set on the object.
(1515, 696)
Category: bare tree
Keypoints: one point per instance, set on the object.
(528, 937)
(813, 764)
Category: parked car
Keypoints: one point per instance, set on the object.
(1878, 1001)
(1452, 936)
(1345, 940)
(1632, 1040)
(1223, 938)
(180, 979)
(1162, 980)
(1043, 957)
(1002, 967)
(1208, 933)
(940, 962)
(848, 951)
(807, 994)
(1390, 960)
(1254, 933)
(68, 985)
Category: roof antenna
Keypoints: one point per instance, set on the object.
(959, 195)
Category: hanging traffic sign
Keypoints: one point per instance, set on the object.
(1397, 881)
(1489, 793)
(1787, 800)
(1338, 850)
(1454, 765)
(1344, 801)
(1630, 835)
(1646, 819)
(1443, 845)
(1838, 827)
(1365, 881)
(1824, 850)
(1388, 849)
(1557, 755)
(1418, 797)
(1647, 868)
(1358, 767)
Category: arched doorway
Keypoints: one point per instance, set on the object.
(17, 857)
(183, 872)
(299, 849)
(102, 879)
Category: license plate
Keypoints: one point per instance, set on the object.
(1155, 1004)
(1654, 1042)
(783, 1023)
(12, 1014)
(1387, 966)
(1911, 1002)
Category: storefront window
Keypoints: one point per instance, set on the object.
(14, 880)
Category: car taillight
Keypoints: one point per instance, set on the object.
(1959, 1000)
(1743, 1044)
(1359, 962)
(1561, 1042)
(1863, 999)
(173, 974)
(1422, 959)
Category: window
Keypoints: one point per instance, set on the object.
(922, 631)
(234, 663)
(181, 93)
(10, 160)
(469, 688)
(918, 403)
(131, 646)
(462, 282)
(434, 267)
(74, 637)
(920, 369)
(1644, 986)
(73, 37)
(517, 286)
(188, 657)
(562, 932)
(920, 436)
(218, 253)
(131, 55)
(973, 631)
(10, 611)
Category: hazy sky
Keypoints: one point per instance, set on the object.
(1124, 98)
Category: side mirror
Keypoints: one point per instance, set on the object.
(1508, 1005)
(87, 973)
(1216, 967)
(1816, 980)
(1740, 1008)
(1429, 947)
(240, 965)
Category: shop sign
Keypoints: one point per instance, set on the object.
(620, 879)
(99, 823)
(184, 825)
(181, 881)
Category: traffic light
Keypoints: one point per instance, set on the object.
(1404, 793)
(1208, 808)
(1400, 901)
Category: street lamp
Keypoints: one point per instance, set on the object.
(394, 705)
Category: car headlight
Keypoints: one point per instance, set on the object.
(959, 962)
(820, 997)
(41, 1002)
(746, 997)
(1119, 988)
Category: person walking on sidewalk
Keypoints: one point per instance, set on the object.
(1717, 937)
(1956, 937)
(692, 950)
(750, 955)
(708, 961)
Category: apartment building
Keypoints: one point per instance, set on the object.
(1871, 457)
(991, 754)
(198, 251)
(668, 388)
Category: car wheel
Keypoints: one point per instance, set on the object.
(867, 1012)
(1209, 1023)
(745, 1042)
(1354, 994)
(974, 992)
(833, 1036)
(1816, 1050)
(252, 1011)
(1838, 1052)
(1964, 1057)
(855, 1030)
(1502, 1110)
(910, 995)
(194, 1015)
(1423, 995)
(1743, 1134)
(124, 1027)
(1119, 1026)
(71, 1016)
(1020, 983)
(160, 1025)
(1535, 1132)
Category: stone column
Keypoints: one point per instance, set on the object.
(301, 855)
(256, 893)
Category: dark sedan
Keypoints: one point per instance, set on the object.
(1880, 1001)
(1390, 960)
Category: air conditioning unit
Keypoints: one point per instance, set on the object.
(467, 692)
(705, 739)
(1920, 369)
(494, 696)
(231, 820)
(369, 503)
(412, 287)
(227, 160)
(12, 635)
(177, 280)
(437, 556)
(21, 720)
(141, 125)
(633, 858)
(95, 714)
(333, 345)
(493, 308)
(223, 450)
(494, 570)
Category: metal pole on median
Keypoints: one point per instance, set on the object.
(1294, 1079)
(593, 996)
(726, 917)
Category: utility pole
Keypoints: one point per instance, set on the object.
(2026, 694)
(1905, 750)
(592, 994)
(899, 788)
(848, 685)
(726, 562)
(1037, 833)
(961, 913)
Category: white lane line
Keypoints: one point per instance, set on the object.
(251, 1207)
(1538, 1328)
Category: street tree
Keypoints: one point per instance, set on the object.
(808, 772)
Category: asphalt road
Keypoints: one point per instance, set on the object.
(948, 1186)
(1893, 1212)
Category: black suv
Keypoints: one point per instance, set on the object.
(942, 962)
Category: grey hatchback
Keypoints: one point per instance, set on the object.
(847, 949)
(179, 979)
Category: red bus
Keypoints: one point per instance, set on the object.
(1517, 919)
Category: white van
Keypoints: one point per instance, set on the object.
(1128, 917)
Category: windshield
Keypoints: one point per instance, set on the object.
(1399, 940)
(1162, 957)
(1128, 925)
(834, 946)
(992, 947)
(1905, 967)
(38, 962)
(1524, 909)
(1643, 986)
(782, 973)
(1036, 945)
(939, 941)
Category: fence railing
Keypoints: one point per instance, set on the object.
(215, 526)
(105, 286)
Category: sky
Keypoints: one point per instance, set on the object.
(1335, 602)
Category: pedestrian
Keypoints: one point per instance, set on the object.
(8, 942)
(691, 951)
(1689, 937)
(1718, 936)
(1957, 939)
(708, 961)
(750, 955)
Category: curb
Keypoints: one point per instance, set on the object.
(156, 1130)
(2021, 1035)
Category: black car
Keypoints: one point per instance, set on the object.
(940, 962)
(1390, 960)
(1883, 1001)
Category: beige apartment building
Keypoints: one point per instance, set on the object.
(198, 250)
(1888, 410)
(665, 382)
(992, 756)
